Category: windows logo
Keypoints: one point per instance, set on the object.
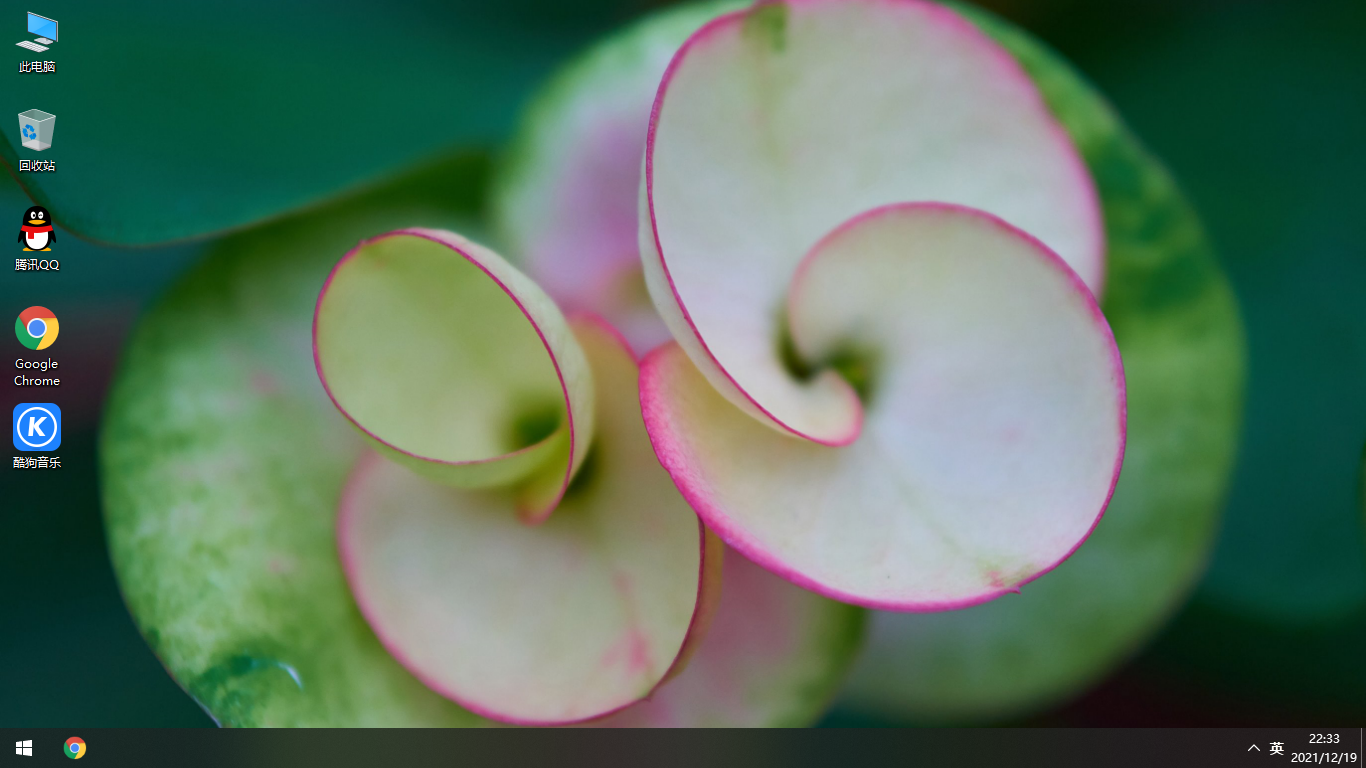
(24, 748)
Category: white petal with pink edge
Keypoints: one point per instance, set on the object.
(776, 124)
(994, 420)
(564, 199)
(774, 656)
(565, 621)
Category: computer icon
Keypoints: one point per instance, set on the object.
(44, 28)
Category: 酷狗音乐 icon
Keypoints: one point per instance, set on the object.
(35, 129)
(38, 427)
(35, 232)
(36, 327)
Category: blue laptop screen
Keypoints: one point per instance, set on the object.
(37, 25)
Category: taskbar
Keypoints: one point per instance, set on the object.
(937, 748)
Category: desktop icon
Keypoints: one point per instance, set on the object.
(75, 748)
(35, 129)
(38, 427)
(36, 328)
(44, 28)
(24, 747)
(35, 231)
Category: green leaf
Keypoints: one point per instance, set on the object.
(180, 464)
(1176, 322)
(222, 463)
(172, 124)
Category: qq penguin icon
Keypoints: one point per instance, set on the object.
(36, 233)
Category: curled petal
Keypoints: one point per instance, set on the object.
(994, 426)
(565, 198)
(776, 124)
(569, 620)
(455, 365)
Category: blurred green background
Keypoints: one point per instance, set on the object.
(1257, 106)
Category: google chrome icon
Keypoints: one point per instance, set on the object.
(75, 748)
(36, 327)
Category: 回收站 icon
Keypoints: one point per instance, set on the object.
(35, 129)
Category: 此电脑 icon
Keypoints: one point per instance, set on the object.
(44, 28)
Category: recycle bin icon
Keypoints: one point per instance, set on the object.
(35, 128)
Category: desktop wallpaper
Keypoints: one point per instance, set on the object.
(201, 149)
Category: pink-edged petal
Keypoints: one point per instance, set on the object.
(775, 124)
(564, 200)
(994, 428)
(456, 365)
(562, 622)
(774, 657)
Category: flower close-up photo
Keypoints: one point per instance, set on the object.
(629, 364)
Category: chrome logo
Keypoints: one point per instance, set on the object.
(75, 748)
(36, 328)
